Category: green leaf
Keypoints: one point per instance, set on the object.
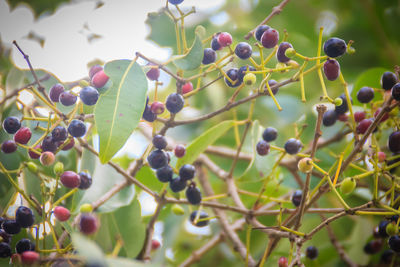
(87, 248)
(256, 132)
(200, 144)
(124, 262)
(371, 78)
(15, 79)
(161, 29)
(38, 7)
(193, 58)
(118, 111)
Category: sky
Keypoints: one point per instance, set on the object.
(66, 49)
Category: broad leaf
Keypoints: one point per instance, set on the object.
(124, 262)
(256, 132)
(200, 144)
(162, 29)
(87, 248)
(118, 111)
(193, 58)
(15, 79)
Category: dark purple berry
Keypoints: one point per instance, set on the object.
(193, 195)
(8, 146)
(335, 47)
(373, 246)
(209, 56)
(48, 144)
(179, 151)
(59, 134)
(67, 99)
(187, 172)
(86, 180)
(157, 159)
(260, 30)
(270, 134)
(280, 54)
(148, 115)
(153, 74)
(293, 146)
(23, 135)
(70, 179)
(243, 50)
(23, 245)
(214, 44)
(272, 84)
(11, 125)
(201, 221)
(24, 217)
(89, 95)
(311, 252)
(55, 92)
(396, 92)
(343, 108)
(233, 74)
(262, 148)
(159, 141)
(329, 118)
(388, 79)
(177, 184)
(77, 128)
(69, 145)
(382, 229)
(164, 174)
(296, 197)
(175, 2)
(365, 94)
(331, 69)
(394, 243)
(11, 227)
(5, 250)
(5, 237)
(394, 142)
(387, 256)
(88, 223)
(270, 38)
(174, 103)
(242, 71)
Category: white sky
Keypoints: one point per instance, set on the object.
(66, 50)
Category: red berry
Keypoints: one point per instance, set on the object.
(34, 155)
(155, 244)
(69, 145)
(381, 156)
(157, 108)
(282, 262)
(343, 117)
(29, 257)
(94, 69)
(70, 179)
(8, 146)
(23, 135)
(100, 79)
(270, 38)
(179, 151)
(88, 223)
(359, 116)
(62, 214)
(385, 117)
(47, 158)
(187, 87)
(363, 126)
(331, 69)
(224, 39)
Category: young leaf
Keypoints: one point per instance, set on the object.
(200, 144)
(193, 58)
(118, 111)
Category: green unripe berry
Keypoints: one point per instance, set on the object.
(177, 209)
(83, 83)
(86, 208)
(249, 79)
(350, 50)
(32, 167)
(348, 185)
(290, 52)
(293, 64)
(58, 168)
(338, 101)
(392, 229)
(281, 65)
(305, 165)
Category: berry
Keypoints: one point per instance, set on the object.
(293, 146)
(331, 69)
(62, 214)
(157, 159)
(11, 125)
(55, 92)
(283, 262)
(193, 195)
(8, 146)
(23, 135)
(47, 158)
(392, 229)
(175, 2)
(384, 118)
(58, 169)
(365, 94)
(67, 99)
(99, 79)
(243, 50)
(394, 142)
(209, 56)
(343, 108)
(373, 246)
(338, 101)
(259, 31)
(177, 209)
(187, 172)
(157, 108)
(342, 117)
(88, 223)
(155, 244)
(179, 151)
(311, 252)
(387, 256)
(202, 216)
(23, 245)
(335, 47)
(70, 179)
(381, 156)
(24, 217)
(388, 79)
(270, 38)
(70, 144)
(3, 235)
(214, 44)
(164, 174)
(48, 144)
(396, 92)
(5, 250)
(249, 79)
(280, 54)
(94, 69)
(89, 95)
(296, 197)
(243, 71)
(187, 88)
(29, 257)
(329, 118)
(32, 167)
(304, 165)
(224, 39)
(77, 128)
(394, 243)
(59, 134)
(148, 115)
(233, 74)
(86, 207)
(348, 185)
(262, 148)
(272, 84)
(270, 134)
(11, 227)
(86, 180)
(174, 103)
(382, 229)
(153, 74)
(359, 116)
(177, 184)
(363, 126)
